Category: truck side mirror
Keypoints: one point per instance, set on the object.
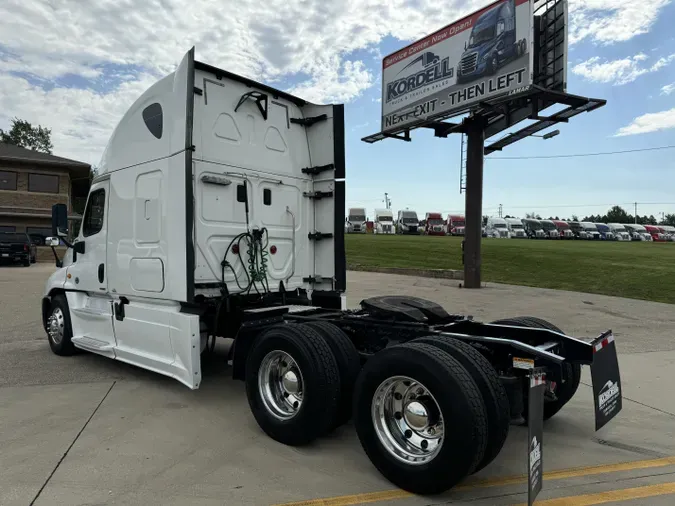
(59, 220)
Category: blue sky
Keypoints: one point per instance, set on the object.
(77, 66)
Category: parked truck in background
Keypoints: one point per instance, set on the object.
(638, 232)
(516, 228)
(564, 229)
(589, 231)
(454, 224)
(16, 247)
(606, 233)
(656, 233)
(550, 229)
(533, 229)
(407, 222)
(619, 231)
(433, 224)
(187, 237)
(669, 232)
(497, 228)
(384, 222)
(356, 220)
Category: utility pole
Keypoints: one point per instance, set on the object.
(387, 201)
(500, 210)
(636, 213)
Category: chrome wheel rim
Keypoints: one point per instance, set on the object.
(407, 420)
(56, 325)
(280, 385)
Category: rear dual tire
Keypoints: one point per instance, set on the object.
(299, 381)
(571, 372)
(420, 417)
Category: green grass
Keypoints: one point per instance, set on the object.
(632, 269)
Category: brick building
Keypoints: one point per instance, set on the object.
(31, 182)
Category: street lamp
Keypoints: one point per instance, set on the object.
(547, 136)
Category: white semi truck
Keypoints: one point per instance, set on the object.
(497, 228)
(516, 228)
(384, 222)
(407, 222)
(356, 220)
(218, 212)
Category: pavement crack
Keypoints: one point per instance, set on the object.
(77, 436)
(640, 403)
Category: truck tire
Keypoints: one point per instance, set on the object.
(571, 372)
(487, 380)
(26, 263)
(59, 329)
(292, 384)
(420, 417)
(348, 362)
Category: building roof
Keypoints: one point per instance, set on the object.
(17, 154)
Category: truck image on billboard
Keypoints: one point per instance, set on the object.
(482, 56)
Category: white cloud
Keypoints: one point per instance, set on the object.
(619, 72)
(607, 21)
(335, 82)
(311, 44)
(652, 122)
(668, 89)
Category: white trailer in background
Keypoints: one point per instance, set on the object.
(356, 220)
(497, 228)
(384, 222)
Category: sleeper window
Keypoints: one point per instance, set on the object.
(241, 192)
(152, 115)
(267, 197)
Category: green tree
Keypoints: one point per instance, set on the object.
(669, 220)
(27, 136)
(618, 215)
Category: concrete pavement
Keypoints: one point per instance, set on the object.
(134, 437)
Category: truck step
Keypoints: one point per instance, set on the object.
(88, 312)
(89, 343)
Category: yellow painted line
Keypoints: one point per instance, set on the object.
(391, 495)
(626, 494)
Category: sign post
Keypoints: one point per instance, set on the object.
(535, 433)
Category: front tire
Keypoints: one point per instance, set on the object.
(292, 384)
(420, 417)
(59, 328)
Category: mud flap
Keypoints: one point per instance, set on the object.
(606, 379)
(535, 433)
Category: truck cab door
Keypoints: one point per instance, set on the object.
(87, 280)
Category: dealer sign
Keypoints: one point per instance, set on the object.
(482, 56)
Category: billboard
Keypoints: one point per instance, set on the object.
(485, 55)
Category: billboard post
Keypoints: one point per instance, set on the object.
(475, 133)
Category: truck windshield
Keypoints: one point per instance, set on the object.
(517, 226)
(385, 219)
(408, 220)
(482, 35)
(500, 225)
(548, 225)
(357, 217)
(458, 223)
(7, 237)
(435, 221)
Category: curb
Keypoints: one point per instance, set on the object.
(425, 273)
